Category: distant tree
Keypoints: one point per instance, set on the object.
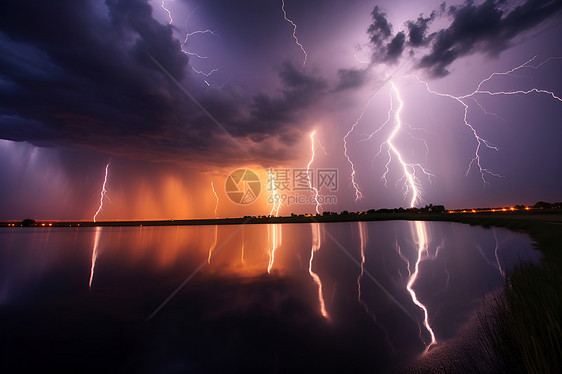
(28, 222)
(438, 209)
(542, 205)
(345, 213)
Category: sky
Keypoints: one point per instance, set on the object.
(176, 95)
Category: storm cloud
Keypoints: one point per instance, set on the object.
(82, 77)
(489, 28)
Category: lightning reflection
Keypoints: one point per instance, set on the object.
(420, 236)
(214, 244)
(316, 243)
(94, 255)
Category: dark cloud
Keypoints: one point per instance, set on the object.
(484, 28)
(350, 78)
(380, 29)
(488, 28)
(417, 30)
(380, 32)
(270, 116)
(395, 48)
(78, 74)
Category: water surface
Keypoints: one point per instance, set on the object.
(254, 298)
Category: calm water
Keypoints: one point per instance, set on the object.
(201, 299)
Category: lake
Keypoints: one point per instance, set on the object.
(254, 298)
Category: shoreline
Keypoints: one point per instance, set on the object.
(517, 220)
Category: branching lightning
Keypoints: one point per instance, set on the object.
(481, 142)
(103, 192)
(358, 194)
(316, 243)
(363, 242)
(314, 189)
(188, 35)
(294, 33)
(411, 182)
(217, 199)
(163, 5)
(275, 197)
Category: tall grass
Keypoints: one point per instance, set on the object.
(522, 325)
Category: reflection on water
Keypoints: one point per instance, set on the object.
(94, 254)
(316, 244)
(293, 297)
(419, 234)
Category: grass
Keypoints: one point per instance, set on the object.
(522, 325)
(523, 329)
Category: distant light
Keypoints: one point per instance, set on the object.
(512, 208)
(493, 210)
(527, 208)
(473, 211)
(43, 224)
(50, 224)
(505, 210)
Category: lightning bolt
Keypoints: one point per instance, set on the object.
(188, 35)
(217, 199)
(103, 192)
(358, 194)
(316, 243)
(214, 245)
(411, 182)
(308, 175)
(274, 230)
(294, 33)
(274, 196)
(356, 56)
(462, 100)
(163, 5)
